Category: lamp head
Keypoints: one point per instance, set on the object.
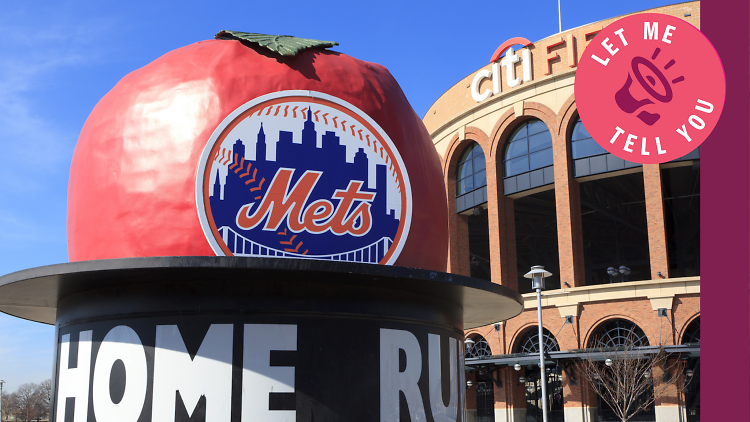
(517, 367)
(624, 270)
(468, 343)
(608, 362)
(611, 271)
(537, 276)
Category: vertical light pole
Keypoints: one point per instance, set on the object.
(559, 15)
(1, 399)
(537, 275)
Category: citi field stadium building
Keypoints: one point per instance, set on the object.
(526, 186)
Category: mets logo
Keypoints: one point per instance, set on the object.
(301, 174)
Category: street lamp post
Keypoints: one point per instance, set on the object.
(1, 399)
(537, 275)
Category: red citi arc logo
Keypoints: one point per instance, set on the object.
(300, 174)
(650, 88)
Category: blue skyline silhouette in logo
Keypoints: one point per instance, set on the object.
(242, 186)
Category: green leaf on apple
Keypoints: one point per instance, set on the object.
(286, 45)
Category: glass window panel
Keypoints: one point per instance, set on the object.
(480, 179)
(479, 163)
(476, 150)
(536, 239)
(617, 237)
(540, 141)
(540, 159)
(467, 184)
(517, 148)
(580, 132)
(521, 133)
(459, 190)
(537, 126)
(586, 148)
(466, 154)
(516, 166)
(464, 170)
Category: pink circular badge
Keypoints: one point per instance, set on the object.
(650, 88)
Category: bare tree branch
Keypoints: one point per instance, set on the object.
(28, 402)
(629, 385)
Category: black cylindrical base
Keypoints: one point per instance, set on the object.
(233, 339)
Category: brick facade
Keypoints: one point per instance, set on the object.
(455, 121)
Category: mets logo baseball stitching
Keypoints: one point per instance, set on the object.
(301, 174)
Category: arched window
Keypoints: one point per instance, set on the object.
(617, 333)
(480, 348)
(589, 157)
(693, 332)
(527, 162)
(471, 178)
(529, 343)
(471, 192)
(624, 333)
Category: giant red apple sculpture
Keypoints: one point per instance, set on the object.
(160, 156)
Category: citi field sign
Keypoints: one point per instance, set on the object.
(515, 68)
(303, 174)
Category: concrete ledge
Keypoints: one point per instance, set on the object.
(660, 292)
(580, 414)
(668, 413)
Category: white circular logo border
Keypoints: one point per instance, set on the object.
(199, 198)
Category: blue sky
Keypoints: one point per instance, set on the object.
(57, 59)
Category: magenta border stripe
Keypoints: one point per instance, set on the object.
(725, 224)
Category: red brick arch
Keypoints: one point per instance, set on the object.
(453, 144)
(501, 131)
(686, 325)
(500, 135)
(568, 116)
(458, 253)
(541, 112)
(474, 333)
(522, 330)
(456, 146)
(509, 121)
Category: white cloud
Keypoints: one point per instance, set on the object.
(37, 46)
(29, 60)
